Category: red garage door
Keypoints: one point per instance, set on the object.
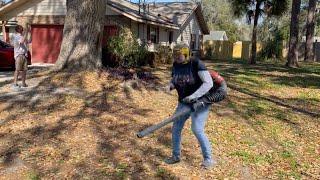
(46, 43)
(109, 31)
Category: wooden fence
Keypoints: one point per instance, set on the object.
(226, 50)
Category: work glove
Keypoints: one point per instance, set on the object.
(198, 105)
(188, 100)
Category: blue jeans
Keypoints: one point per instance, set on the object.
(199, 119)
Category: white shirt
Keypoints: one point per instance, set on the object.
(19, 48)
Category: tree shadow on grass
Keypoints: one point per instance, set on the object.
(307, 76)
(112, 135)
(301, 78)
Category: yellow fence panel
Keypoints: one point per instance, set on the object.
(237, 49)
(227, 50)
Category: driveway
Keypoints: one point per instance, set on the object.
(6, 76)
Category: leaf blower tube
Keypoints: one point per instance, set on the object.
(216, 94)
(155, 127)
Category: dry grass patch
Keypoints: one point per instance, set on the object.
(88, 129)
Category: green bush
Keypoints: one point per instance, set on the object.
(273, 47)
(142, 55)
(164, 55)
(209, 52)
(125, 50)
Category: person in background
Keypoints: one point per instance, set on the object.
(20, 56)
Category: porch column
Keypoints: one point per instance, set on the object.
(197, 42)
(4, 33)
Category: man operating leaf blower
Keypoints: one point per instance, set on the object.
(197, 89)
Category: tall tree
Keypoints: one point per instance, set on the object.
(293, 54)
(218, 18)
(310, 26)
(82, 35)
(254, 9)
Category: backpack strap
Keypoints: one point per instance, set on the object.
(216, 77)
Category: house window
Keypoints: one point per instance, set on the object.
(153, 34)
(193, 41)
(170, 37)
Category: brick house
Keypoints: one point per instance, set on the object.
(156, 24)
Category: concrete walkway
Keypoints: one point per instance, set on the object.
(6, 76)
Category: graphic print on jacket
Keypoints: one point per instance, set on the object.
(185, 77)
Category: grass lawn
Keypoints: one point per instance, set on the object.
(83, 125)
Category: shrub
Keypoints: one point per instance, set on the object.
(209, 52)
(124, 50)
(164, 55)
(273, 47)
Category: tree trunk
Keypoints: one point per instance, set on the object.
(293, 54)
(82, 35)
(309, 51)
(254, 35)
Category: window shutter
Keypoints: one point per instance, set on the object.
(148, 33)
(170, 37)
(158, 34)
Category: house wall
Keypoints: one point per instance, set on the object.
(45, 8)
(111, 12)
(48, 12)
(1, 35)
(39, 7)
(140, 30)
(11, 33)
(118, 20)
(57, 20)
(163, 37)
(191, 26)
(52, 12)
